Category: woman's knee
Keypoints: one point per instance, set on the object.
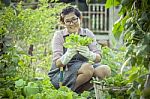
(87, 69)
(102, 71)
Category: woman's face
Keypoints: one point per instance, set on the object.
(72, 22)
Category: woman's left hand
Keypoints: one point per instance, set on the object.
(84, 51)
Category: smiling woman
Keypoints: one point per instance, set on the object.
(75, 61)
(71, 19)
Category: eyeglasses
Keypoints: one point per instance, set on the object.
(68, 22)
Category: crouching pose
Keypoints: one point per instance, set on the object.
(77, 70)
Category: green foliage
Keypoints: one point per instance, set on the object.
(8, 67)
(130, 79)
(24, 76)
(111, 3)
(40, 89)
(114, 87)
(135, 26)
(30, 26)
(119, 26)
(20, 27)
(113, 58)
(20, 83)
(31, 89)
(75, 40)
(128, 85)
(116, 81)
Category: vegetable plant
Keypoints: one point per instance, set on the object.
(75, 40)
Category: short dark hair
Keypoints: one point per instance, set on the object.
(68, 10)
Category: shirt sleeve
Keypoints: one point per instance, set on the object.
(94, 45)
(57, 46)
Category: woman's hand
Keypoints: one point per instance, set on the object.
(68, 55)
(84, 51)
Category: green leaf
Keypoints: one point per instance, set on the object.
(119, 26)
(146, 63)
(9, 93)
(127, 3)
(133, 61)
(122, 11)
(117, 29)
(85, 94)
(31, 89)
(133, 76)
(19, 83)
(129, 50)
(112, 3)
(144, 17)
(141, 50)
(69, 95)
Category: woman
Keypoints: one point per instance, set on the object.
(77, 70)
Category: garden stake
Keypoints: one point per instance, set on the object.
(61, 77)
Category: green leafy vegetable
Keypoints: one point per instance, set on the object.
(31, 88)
(75, 40)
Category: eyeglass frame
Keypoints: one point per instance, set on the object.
(73, 20)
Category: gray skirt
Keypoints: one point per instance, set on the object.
(69, 76)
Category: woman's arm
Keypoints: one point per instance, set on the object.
(59, 57)
(94, 46)
(57, 48)
(64, 59)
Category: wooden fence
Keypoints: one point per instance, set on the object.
(97, 19)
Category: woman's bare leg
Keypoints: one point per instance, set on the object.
(102, 71)
(85, 73)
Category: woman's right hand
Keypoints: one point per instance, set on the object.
(68, 55)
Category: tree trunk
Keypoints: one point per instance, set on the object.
(30, 50)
